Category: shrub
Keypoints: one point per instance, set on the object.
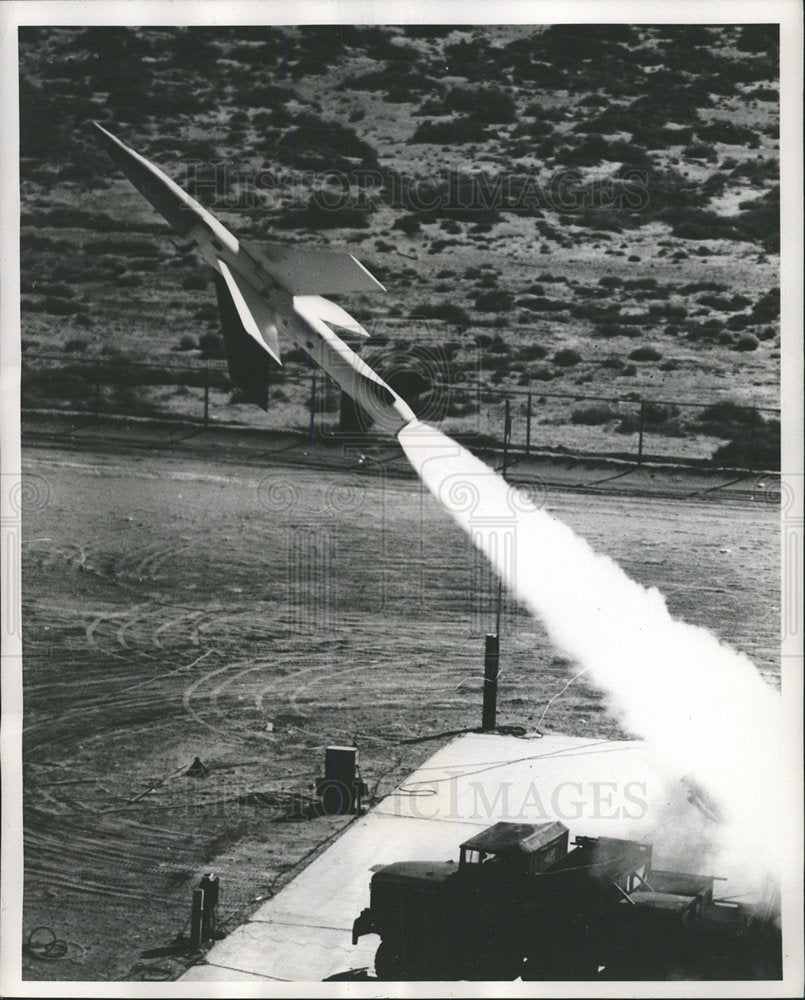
(186, 343)
(703, 286)
(615, 330)
(62, 307)
(767, 306)
(738, 321)
(592, 415)
(747, 343)
(207, 312)
(533, 352)
(76, 345)
(458, 130)
(657, 414)
(499, 345)
(645, 354)
(715, 302)
(567, 357)
(629, 424)
(724, 419)
(329, 144)
(438, 245)
(498, 300)
(764, 94)
(123, 245)
(408, 224)
(212, 346)
(728, 132)
(128, 280)
(755, 447)
(316, 215)
(144, 264)
(448, 312)
(486, 104)
(194, 283)
(700, 151)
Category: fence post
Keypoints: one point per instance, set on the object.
(751, 455)
(97, 389)
(507, 430)
(528, 425)
(640, 433)
(312, 403)
(207, 394)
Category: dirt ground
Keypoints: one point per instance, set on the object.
(176, 608)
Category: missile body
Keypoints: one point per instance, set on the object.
(269, 292)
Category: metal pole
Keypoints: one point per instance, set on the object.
(97, 389)
(196, 917)
(751, 456)
(207, 395)
(507, 428)
(491, 667)
(528, 425)
(210, 887)
(640, 437)
(312, 402)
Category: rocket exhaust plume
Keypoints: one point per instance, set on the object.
(704, 708)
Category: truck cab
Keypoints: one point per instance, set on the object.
(442, 920)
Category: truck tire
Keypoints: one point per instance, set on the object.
(388, 967)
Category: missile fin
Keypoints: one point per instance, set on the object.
(255, 316)
(305, 271)
(329, 312)
(249, 363)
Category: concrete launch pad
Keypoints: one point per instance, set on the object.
(597, 788)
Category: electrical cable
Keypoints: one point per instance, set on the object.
(43, 943)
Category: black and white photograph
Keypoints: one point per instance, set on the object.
(402, 499)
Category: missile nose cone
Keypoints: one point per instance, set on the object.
(99, 128)
(111, 143)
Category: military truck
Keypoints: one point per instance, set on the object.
(521, 904)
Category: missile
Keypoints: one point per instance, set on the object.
(271, 292)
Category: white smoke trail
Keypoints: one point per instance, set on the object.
(703, 707)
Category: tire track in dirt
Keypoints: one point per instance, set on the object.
(153, 561)
(188, 616)
(190, 691)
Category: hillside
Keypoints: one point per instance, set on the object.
(591, 210)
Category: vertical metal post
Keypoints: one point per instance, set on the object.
(210, 887)
(751, 456)
(312, 403)
(528, 425)
(640, 432)
(207, 395)
(97, 389)
(507, 429)
(196, 918)
(491, 667)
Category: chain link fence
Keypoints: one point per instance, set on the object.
(518, 422)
